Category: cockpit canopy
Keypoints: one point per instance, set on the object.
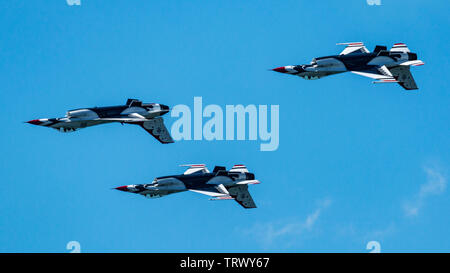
(80, 113)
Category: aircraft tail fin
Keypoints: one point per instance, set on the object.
(379, 48)
(133, 102)
(219, 168)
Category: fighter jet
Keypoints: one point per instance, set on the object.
(381, 65)
(146, 115)
(220, 184)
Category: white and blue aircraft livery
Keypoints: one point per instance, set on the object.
(220, 184)
(146, 115)
(382, 65)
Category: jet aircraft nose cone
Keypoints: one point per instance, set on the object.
(34, 121)
(122, 188)
(280, 69)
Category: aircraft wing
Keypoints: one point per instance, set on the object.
(357, 47)
(213, 193)
(398, 74)
(154, 126)
(380, 73)
(123, 120)
(242, 196)
(404, 77)
(239, 193)
(131, 118)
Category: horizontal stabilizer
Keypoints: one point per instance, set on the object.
(248, 182)
(413, 63)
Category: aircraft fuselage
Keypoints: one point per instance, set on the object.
(334, 64)
(165, 185)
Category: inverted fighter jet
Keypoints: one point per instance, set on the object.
(146, 115)
(220, 184)
(381, 65)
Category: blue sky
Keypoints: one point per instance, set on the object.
(357, 162)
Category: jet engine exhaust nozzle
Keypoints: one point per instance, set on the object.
(164, 108)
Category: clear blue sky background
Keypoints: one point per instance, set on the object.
(353, 156)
